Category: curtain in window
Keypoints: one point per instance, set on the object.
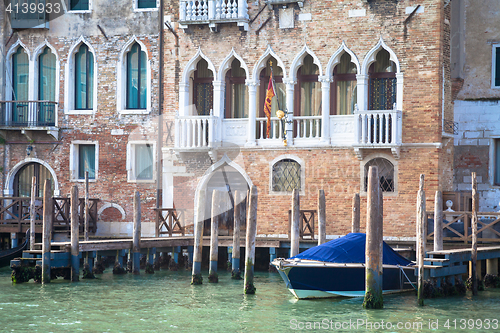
(239, 101)
(146, 3)
(346, 97)
(136, 78)
(84, 78)
(79, 5)
(144, 161)
(20, 75)
(24, 176)
(47, 76)
(310, 99)
(86, 159)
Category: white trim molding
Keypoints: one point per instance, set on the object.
(111, 205)
(335, 60)
(302, 174)
(121, 80)
(74, 160)
(8, 68)
(9, 179)
(69, 81)
(137, 9)
(299, 60)
(131, 157)
(80, 11)
(370, 157)
(261, 64)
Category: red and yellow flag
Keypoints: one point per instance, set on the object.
(267, 104)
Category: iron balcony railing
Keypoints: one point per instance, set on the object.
(27, 113)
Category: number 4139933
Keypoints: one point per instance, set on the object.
(32, 8)
(471, 324)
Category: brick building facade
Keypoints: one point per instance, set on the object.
(363, 83)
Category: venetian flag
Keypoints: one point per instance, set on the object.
(267, 105)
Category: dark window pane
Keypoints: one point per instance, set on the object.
(79, 4)
(385, 173)
(497, 162)
(497, 67)
(146, 3)
(136, 78)
(84, 78)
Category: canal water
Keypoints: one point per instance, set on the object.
(166, 302)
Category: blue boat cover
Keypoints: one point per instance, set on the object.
(349, 249)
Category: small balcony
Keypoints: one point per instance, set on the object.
(28, 116)
(213, 13)
(29, 14)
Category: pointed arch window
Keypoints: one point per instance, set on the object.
(84, 78)
(343, 89)
(236, 96)
(136, 78)
(382, 87)
(47, 75)
(20, 75)
(278, 102)
(308, 96)
(203, 91)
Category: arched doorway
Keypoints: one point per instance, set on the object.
(228, 180)
(22, 180)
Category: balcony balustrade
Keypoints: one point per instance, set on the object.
(213, 12)
(195, 132)
(20, 114)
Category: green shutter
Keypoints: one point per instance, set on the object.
(47, 76)
(136, 78)
(144, 162)
(20, 75)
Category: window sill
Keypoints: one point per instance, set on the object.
(77, 112)
(286, 193)
(134, 111)
(83, 180)
(385, 194)
(80, 11)
(141, 181)
(138, 10)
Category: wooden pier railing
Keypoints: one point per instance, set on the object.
(169, 221)
(457, 227)
(15, 214)
(306, 226)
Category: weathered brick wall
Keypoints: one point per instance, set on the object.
(421, 52)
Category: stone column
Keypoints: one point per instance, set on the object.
(325, 109)
(252, 111)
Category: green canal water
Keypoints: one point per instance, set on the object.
(166, 302)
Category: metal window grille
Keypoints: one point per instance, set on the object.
(385, 173)
(286, 176)
(382, 94)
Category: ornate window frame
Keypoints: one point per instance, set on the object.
(302, 174)
(370, 157)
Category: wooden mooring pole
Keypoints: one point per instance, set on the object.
(238, 218)
(355, 213)
(295, 228)
(321, 217)
(374, 241)
(214, 235)
(136, 245)
(75, 258)
(198, 239)
(438, 221)
(32, 214)
(249, 287)
(47, 231)
(421, 217)
(475, 207)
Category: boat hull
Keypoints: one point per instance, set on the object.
(306, 280)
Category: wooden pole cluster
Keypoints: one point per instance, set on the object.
(75, 259)
(249, 287)
(47, 231)
(32, 213)
(295, 230)
(421, 217)
(438, 221)
(374, 243)
(238, 219)
(198, 239)
(356, 215)
(214, 235)
(136, 245)
(321, 217)
(475, 207)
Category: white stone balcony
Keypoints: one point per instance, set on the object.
(364, 130)
(213, 12)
